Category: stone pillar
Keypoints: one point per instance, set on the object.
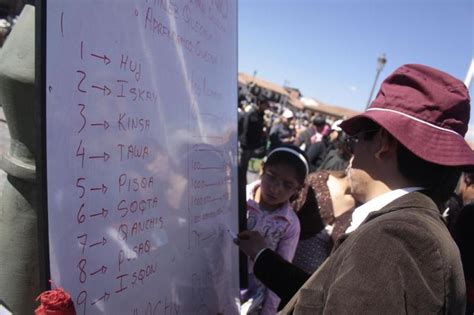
(19, 277)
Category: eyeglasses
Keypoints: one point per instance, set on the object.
(274, 181)
(352, 140)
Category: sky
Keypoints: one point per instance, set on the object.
(329, 48)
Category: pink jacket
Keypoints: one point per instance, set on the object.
(281, 229)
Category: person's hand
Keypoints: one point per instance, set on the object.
(251, 243)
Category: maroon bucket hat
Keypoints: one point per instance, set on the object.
(424, 109)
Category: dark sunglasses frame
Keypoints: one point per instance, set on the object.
(352, 140)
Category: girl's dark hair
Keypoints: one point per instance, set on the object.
(287, 158)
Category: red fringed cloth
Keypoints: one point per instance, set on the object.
(55, 302)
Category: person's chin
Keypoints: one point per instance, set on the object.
(272, 200)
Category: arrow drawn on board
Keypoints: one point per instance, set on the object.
(205, 238)
(105, 89)
(102, 242)
(102, 270)
(103, 213)
(105, 156)
(104, 298)
(103, 189)
(105, 124)
(104, 58)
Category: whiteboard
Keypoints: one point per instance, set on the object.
(141, 150)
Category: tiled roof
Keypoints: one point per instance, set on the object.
(309, 104)
(296, 103)
(338, 111)
(246, 79)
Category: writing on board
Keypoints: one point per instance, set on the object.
(143, 155)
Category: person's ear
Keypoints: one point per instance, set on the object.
(387, 144)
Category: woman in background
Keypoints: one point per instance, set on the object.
(324, 208)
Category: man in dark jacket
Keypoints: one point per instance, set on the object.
(280, 132)
(304, 138)
(251, 134)
(337, 157)
(397, 257)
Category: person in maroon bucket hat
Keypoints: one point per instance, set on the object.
(397, 256)
(426, 110)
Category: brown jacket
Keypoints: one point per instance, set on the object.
(401, 260)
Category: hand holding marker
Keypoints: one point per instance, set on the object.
(237, 237)
(233, 235)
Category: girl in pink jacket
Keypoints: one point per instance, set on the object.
(270, 213)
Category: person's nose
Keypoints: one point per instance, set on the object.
(278, 186)
(349, 166)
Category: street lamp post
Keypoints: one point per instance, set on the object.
(253, 77)
(286, 83)
(470, 75)
(381, 61)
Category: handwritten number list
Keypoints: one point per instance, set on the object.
(142, 155)
(137, 209)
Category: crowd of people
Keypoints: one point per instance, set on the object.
(264, 125)
(370, 215)
(9, 11)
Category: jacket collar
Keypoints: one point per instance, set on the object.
(362, 212)
(416, 199)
